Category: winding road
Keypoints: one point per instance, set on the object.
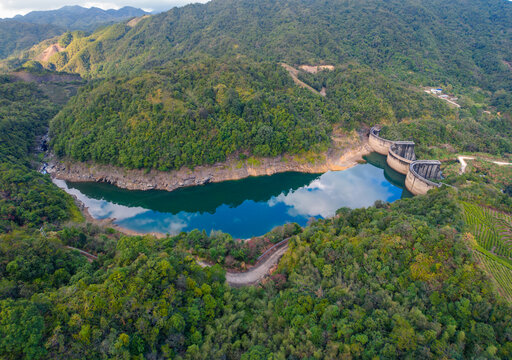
(463, 163)
(255, 274)
(90, 257)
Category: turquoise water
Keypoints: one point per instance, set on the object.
(243, 208)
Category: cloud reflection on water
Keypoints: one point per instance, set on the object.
(102, 209)
(325, 195)
(359, 186)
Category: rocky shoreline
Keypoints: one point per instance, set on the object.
(334, 159)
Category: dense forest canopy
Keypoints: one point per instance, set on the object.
(80, 18)
(461, 42)
(389, 281)
(200, 111)
(16, 36)
(423, 278)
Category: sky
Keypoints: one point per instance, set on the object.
(10, 8)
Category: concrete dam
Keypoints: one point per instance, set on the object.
(421, 175)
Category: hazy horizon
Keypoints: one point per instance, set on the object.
(10, 8)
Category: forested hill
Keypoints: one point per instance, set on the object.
(22, 32)
(462, 42)
(200, 112)
(17, 36)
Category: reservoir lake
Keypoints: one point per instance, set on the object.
(243, 208)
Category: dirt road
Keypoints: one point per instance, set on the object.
(255, 274)
(463, 163)
(90, 257)
(294, 73)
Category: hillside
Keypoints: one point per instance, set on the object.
(16, 36)
(23, 32)
(201, 111)
(459, 42)
(80, 18)
(379, 56)
(426, 277)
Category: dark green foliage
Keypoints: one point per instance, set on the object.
(26, 197)
(31, 263)
(491, 134)
(201, 111)
(16, 36)
(80, 18)
(29, 198)
(24, 114)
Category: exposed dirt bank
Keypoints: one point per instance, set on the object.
(49, 51)
(133, 22)
(334, 159)
(313, 69)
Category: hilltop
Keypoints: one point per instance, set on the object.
(22, 32)
(380, 55)
(460, 42)
(80, 18)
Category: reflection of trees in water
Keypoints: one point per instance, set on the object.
(395, 178)
(204, 199)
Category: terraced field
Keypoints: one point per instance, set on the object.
(499, 272)
(492, 231)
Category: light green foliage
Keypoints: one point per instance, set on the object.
(501, 273)
(492, 229)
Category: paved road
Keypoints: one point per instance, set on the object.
(255, 274)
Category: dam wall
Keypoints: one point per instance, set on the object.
(377, 143)
(401, 155)
(422, 176)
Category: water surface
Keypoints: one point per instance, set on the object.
(243, 208)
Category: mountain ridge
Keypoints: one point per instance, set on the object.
(75, 17)
(460, 42)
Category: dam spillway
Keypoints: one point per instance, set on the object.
(401, 155)
(421, 175)
(377, 143)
